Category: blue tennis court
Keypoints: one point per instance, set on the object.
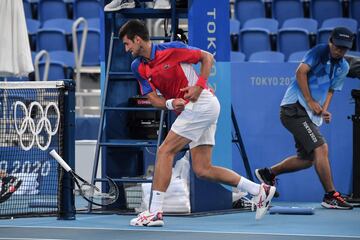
(324, 224)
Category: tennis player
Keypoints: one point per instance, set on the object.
(168, 68)
(9, 185)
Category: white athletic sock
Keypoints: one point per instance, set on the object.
(248, 186)
(157, 201)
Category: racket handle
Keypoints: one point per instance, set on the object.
(61, 161)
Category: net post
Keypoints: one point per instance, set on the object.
(67, 209)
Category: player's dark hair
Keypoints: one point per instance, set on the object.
(134, 28)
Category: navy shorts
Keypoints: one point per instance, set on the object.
(306, 134)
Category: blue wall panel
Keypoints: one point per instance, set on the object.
(257, 89)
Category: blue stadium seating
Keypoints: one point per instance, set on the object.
(254, 40)
(355, 10)
(50, 9)
(293, 40)
(66, 57)
(57, 71)
(60, 23)
(267, 56)
(248, 9)
(234, 26)
(92, 49)
(296, 56)
(309, 24)
(329, 24)
(27, 9)
(32, 26)
(237, 56)
(87, 9)
(270, 24)
(286, 9)
(51, 39)
(325, 9)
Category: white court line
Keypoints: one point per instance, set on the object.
(138, 229)
(34, 238)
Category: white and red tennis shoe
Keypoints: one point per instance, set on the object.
(263, 199)
(148, 219)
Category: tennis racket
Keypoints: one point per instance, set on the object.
(89, 191)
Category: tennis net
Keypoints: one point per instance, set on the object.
(35, 118)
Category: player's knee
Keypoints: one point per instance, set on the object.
(321, 150)
(202, 172)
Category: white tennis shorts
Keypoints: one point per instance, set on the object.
(198, 121)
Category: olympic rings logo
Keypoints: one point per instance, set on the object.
(35, 129)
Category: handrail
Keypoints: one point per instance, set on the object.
(38, 56)
(79, 55)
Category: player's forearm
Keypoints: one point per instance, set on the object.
(302, 80)
(328, 99)
(207, 60)
(156, 101)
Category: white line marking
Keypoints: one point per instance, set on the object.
(137, 229)
(8, 238)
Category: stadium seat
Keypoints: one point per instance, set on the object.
(32, 26)
(286, 9)
(237, 56)
(271, 25)
(60, 23)
(325, 9)
(267, 56)
(293, 40)
(94, 23)
(353, 53)
(248, 9)
(66, 57)
(329, 24)
(309, 24)
(87, 9)
(234, 34)
(51, 39)
(296, 56)
(254, 40)
(92, 48)
(57, 71)
(50, 9)
(27, 9)
(355, 10)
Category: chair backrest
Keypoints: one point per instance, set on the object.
(297, 56)
(349, 23)
(66, 57)
(60, 23)
(51, 39)
(56, 70)
(248, 9)
(50, 9)
(32, 26)
(355, 10)
(267, 56)
(237, 56)
(27, 9)
(286, 9)
(324, 9)
(311, 25)
(254, 40)
(92, 48)
(87, 9)
(293, 40)
(234, 26)
(270, 24)
(93, 23)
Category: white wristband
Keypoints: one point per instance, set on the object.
(169, 104)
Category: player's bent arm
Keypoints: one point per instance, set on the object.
(207, 60)
(302, 80)
(328, 99)
(156, 100)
